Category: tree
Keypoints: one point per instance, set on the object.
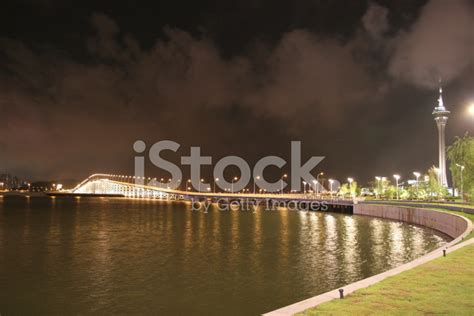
(461, 153)
(350, 190)
(391, 192)
(434, 186)
(344, 190)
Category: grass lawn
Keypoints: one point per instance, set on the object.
(444, 286)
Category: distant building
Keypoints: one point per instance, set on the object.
(9, 182)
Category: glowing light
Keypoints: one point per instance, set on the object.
(471, 109)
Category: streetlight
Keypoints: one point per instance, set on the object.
(257, 178)
(284, 177)
(215, 180)
(187, 187)
(397, 177)
(350, 186)
(462, 169)
(199, 186)
(234, 179)
(304, 187)
(317, 180)
(378, 187)
(471, 109)
(331, 181)
(417, 175)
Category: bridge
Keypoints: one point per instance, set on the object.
(125, 186)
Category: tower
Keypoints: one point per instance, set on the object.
(441, 117)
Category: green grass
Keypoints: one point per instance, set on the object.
(444, 286)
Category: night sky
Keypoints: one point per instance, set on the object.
(355, 81)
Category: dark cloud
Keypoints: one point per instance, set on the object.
(439, 45)
(62, 116)
(375, 20)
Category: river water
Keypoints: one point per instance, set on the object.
(66, 256)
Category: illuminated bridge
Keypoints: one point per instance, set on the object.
(125, 186)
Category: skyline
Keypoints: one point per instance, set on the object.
(362, 88)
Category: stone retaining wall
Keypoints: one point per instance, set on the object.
(450, 224)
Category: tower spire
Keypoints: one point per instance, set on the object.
(440, 99)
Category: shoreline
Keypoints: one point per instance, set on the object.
(314, 301)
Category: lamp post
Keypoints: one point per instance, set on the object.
(304, 187)
(462, 169)
(331, 181)
(317, 180)
(215, 180)
(233, 179)
(378, 187)
(284, 177)
(199, 186)
(256, 178)
(397, 177)
(350, 186)
(417, 175)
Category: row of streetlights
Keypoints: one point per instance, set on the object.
(284, 176)
(397, 177)
(417, 175)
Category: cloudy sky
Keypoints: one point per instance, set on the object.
(355, 81)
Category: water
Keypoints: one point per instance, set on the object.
(104, 256)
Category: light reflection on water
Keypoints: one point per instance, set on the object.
(68, 256)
